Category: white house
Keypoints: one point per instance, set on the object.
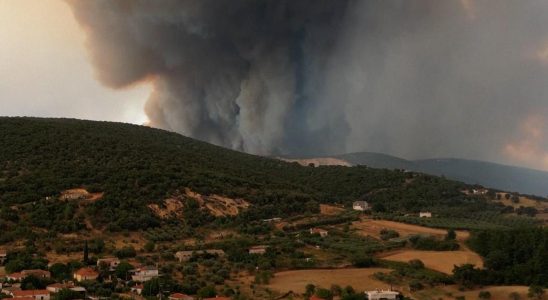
(381, 295)
(111, 262)
(3, 256)
(145, 274)
(425, 214)
(360, 205)
(258, 250)
(321, 232)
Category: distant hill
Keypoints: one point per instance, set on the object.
(509, 178)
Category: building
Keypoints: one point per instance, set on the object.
(85, 274)
(425, 214)
(31, 294)
(3, 256)
(382, 295)
(138, 289)
(258, 250)
(321, 232)
(187, 255)
(111, 262)
(18, 276)
(360, 205)
(146, 273)
(179, 296)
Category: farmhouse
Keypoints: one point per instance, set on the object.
(21, 275)
(381, 295)
(31, 294)
(111, 262)
(85, 274)
(321, 232)
(258, 249)
(360, 205)
(187, 255)
(145, 274)
(425, 214)
(179, 296)
(3, 256)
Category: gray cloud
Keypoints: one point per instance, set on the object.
(412, 78)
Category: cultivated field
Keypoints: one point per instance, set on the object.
(442, 261)
(296, 281)
(451, 292)
(373, 228)
(330, 209)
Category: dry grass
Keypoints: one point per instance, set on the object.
(442, 261)
(373, 228)
(330, 210)
(296, 281)
(451, 292)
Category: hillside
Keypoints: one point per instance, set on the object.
(498, 176)
(129, 169)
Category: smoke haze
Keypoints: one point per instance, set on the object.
(311, 77)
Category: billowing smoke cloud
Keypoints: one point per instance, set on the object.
(411, 78)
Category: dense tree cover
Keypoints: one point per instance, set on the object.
(135, 166)
(514, 256)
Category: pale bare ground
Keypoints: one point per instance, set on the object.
(319, 161)
(296, 281)
(373, 228)
(54, 257)
(330, 209)
(450, 292)
(2, 271)
(442, 261)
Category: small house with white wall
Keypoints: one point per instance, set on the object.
(425, 214)
(360, 205)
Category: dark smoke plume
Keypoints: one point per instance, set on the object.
(412, 78)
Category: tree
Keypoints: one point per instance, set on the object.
(484, 295)
(86, 253)
(514, 296)
(207, 292)
(32, 282)
(122, 270)
(416, 264)
(66, 294)
(415, 285)
(451, 235)
(309, 290)
(149, 246)
(151, 287)
(59, 271)
(324, 294)
(535, 291)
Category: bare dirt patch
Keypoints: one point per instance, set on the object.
(296, 281)
(319, 161)
(218, 206)
(373, 228)
(330, 210)
(442, 261)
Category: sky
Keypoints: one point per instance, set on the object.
(45, 70)
(415, 79)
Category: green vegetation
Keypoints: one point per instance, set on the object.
(514, 256)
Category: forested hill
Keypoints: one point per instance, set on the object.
(134, 166)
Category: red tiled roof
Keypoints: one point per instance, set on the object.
(16, 275)
(86, 272)
(27, 293)
(178, 296)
